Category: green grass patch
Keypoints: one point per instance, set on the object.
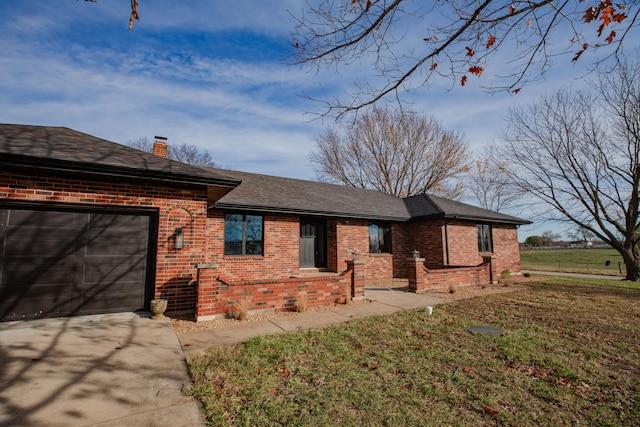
(590, 261)
(569, 356)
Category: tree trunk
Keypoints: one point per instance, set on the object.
(632, 263)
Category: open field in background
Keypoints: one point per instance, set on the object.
(569, 356)
(590, 261)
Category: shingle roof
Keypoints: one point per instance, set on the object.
(426, 206)
(64, 149)
(275, 194)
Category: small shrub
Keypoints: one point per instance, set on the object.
(527, 274)
(453, 288)
(242, 313)
(506, 274)
(301, 305)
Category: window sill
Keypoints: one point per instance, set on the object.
(243, 257)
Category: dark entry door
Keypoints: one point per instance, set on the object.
(64, 262)
(313, 243)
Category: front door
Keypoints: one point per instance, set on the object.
(313, 243)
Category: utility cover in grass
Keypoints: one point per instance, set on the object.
(485, 330)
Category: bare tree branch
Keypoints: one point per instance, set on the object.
(579, 153)
(409, 42)
(399, 153)
(183, 152)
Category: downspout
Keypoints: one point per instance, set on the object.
(446, 239)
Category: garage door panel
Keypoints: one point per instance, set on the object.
(104, 273)
(116, 243)
(115, 221)
(60, 263)
(105, 303)
(45, 301)
(30, 271)
(42, 220)
(20, 246)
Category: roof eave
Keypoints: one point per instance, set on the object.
(307, 212)
(514, 221)
(16, 161)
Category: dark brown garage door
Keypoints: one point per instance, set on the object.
(60, 262)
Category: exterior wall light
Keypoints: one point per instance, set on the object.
(178, 236)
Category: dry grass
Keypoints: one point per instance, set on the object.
(569, 356)
(300, 305)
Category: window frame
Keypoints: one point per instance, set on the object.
(382, 229)
(485, 238)
(244, 242)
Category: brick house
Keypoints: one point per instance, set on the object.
(90, 226)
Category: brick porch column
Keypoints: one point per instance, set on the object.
(417, 275)
(493, 273)
(357, 278)
(207, 306)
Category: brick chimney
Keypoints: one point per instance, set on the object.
(160, 146)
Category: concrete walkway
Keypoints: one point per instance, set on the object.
(107, 370)
(382, 301)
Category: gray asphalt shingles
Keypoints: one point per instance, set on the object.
(66, 149)
(61, 148)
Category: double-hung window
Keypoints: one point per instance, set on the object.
(243, 234)
(379, 238)
(485, 242)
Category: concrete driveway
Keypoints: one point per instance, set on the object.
(107, 370)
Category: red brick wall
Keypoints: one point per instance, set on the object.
(352, 235)
(401, 249)
(421, 280)
(427, 237)
(183, 206)
(458, 276)
(462, 238)
(282, 249)
(281, 252)
(186, 207)
(506, 248)
(216, 299)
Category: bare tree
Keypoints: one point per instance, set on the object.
(142, 143)
(183, 152)
(191, 155)
(580, 153)
(489, 184)
(399, 153)
(549, 237)
(581, 234)
(409, 42)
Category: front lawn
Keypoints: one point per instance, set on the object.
(569, 356)
(590, 261)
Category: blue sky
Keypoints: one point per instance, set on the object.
(203, 72)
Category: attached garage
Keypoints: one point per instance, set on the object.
(70, 260)
(88, 226)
